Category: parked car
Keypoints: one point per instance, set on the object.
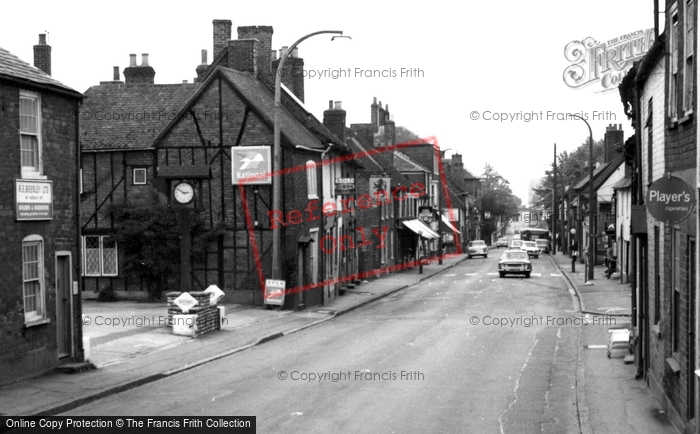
(477, 248)
(516, 244)
(531, 248)
(502, 242)
(514, 262)
(543, 245)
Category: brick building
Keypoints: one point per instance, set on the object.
(660, 98)
(194, 133)
(40, 310)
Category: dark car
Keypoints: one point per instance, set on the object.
(514, 262)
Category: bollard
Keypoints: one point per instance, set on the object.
(573, 264)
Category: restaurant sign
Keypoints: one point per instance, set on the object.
(669, 199)
(33, 200)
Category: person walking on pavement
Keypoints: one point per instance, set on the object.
(574, 254)
(610, 262)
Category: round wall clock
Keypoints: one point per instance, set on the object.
(183, 193)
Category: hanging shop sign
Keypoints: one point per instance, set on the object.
(670, 199)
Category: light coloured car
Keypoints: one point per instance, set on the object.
(514, 262)
(502, 242)
(516, 244)
(477, 248)
(531, 248)
(543, 245)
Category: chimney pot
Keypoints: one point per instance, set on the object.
(132, 59)
(144, 59)
(338, 105)
(42, 39)
(330, 105)
(295, 52)
(283, 51)
(204, 57)
(116, 73)
(273, 55)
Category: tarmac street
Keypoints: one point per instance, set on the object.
(457, 348)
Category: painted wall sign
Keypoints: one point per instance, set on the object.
(670, 199)
(251, 165)
(33, 200)
(604, 62)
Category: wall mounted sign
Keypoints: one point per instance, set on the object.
(345, 186)
(33, 200)
(251, 165)
(670, 199)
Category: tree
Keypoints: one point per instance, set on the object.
(149, 238)
(496, 198)
(571, 167)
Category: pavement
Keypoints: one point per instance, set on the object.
(130, 346)
(610, 399)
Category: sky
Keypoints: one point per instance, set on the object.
(473, 72)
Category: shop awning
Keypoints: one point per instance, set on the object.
(449, 225)
(420, 228)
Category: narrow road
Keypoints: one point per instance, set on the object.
(464, 351)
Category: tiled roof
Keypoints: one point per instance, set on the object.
(14, 68)
(601, 174)
(624, 183)
(404, 164)
(144, 110)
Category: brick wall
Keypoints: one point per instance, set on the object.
(32, 350)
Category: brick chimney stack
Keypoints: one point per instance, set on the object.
(375, 113)
(202, 67)
(457, 164)
(139, 74)
(294, 67)
(389, 127)
(614, 137)
(42, 54)
(222, 34)
(243, 55)
(334, 119)
(264, 36)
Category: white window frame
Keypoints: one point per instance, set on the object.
(311, 181)
(688, 56)
(31, 172)
(101, 257)
(140, 170)
(673, 70)
(38, 315)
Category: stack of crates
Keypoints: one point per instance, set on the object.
(200, 319)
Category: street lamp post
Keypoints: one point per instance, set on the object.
(277, 154)
(591, 225)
